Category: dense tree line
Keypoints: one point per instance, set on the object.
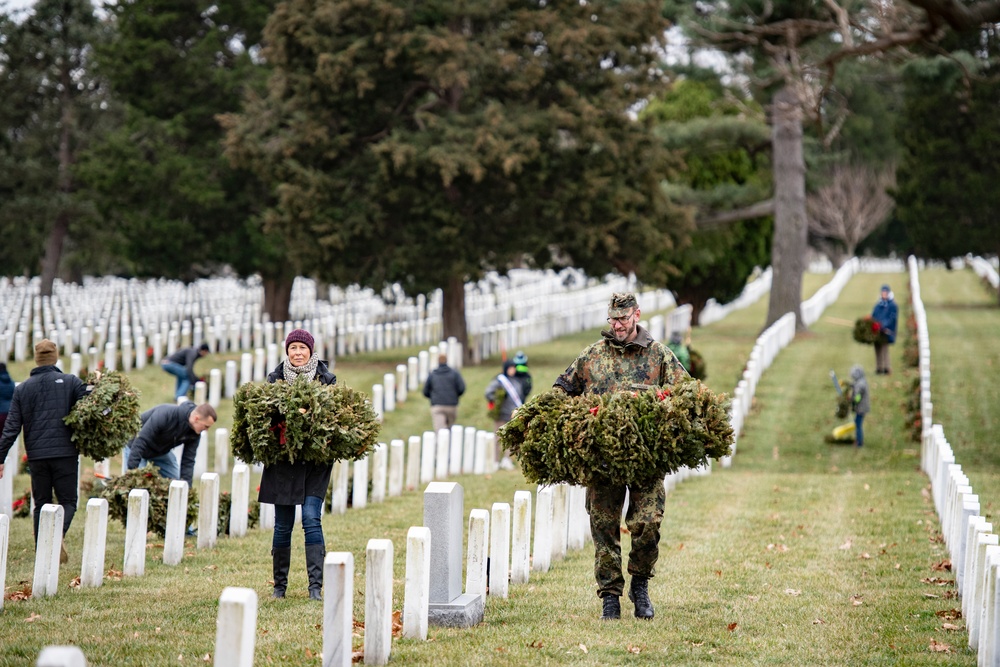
(423, 143)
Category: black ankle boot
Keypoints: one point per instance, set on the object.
(280, 560)
(315, 554)
(612, 608)
(638, 593)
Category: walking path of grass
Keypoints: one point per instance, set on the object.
(802, 553)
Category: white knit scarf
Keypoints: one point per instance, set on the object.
(307, 369)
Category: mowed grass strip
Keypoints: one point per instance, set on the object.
(802, 553)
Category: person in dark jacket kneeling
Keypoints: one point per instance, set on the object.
(38, 406)
(165, 427)
(286, 485)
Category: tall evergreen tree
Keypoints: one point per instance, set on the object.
(50, 103)
(425, 142)
(724, 145)
(178, 207)
(946, 196)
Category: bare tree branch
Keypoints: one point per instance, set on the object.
(960, 16)
(852, 205)
(717, 220)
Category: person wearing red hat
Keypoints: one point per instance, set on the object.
(286, 485)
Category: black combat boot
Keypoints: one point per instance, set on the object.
(638, 593)
(315, 554)
(612, 608)
(280, 560)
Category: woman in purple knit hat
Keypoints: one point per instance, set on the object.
(286, 485)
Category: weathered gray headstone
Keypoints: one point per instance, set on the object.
(444, 515)
(478, 552)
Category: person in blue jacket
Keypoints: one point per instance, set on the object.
(886, 313)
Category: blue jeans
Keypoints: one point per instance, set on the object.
(859, 433)
(312, 525)
(183, 381)
(167, 463)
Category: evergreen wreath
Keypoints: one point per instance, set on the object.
(116, 490)
(302, 421)
(226, 510)
(868, 332)
(105, 419)
(494, 407)
(619, 438)
(699, 369)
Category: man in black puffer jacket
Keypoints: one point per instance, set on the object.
(443, 386)
(38, 406)
(165, 427)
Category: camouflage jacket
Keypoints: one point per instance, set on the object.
(608, 366)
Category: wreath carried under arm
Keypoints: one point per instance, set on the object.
(620, 438)
(105, 420)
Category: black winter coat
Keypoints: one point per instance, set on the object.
(163, 428)
(290, 483)
(186, 356)
(39, 405)
(444, 385)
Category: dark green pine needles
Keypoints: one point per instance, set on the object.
(107, 418)
(116, 490)
(302, 421)
(620, 438)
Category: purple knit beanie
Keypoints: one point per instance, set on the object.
(300, 336)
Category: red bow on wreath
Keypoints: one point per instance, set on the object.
(280, 426)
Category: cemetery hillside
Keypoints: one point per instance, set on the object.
(791, 549)
(562, 332)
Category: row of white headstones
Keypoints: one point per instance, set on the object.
(973, 545)
(561, 524)
(121, 318)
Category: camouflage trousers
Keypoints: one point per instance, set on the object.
(645, 512)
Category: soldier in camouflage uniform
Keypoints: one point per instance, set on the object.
(626, 359)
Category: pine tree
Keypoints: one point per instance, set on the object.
(423, 143)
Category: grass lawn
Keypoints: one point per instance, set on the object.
(801, 553)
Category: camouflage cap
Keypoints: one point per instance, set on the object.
(622, 304)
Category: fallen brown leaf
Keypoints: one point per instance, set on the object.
(943, 565)
(732, 626)
(857, 600)
(951, 627)
(583, 647)
(114, 575)
(536, 644)
(937, 581)
(792, 592)
(846, 545)
(397, 623)
(74, 582)
(358, 656)
(20, 594)
(211, 567)
(865, 556)
(34, 617)
(309, 653)
(819, 621)
(949, 614)
(939, 647)
(634, 649)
